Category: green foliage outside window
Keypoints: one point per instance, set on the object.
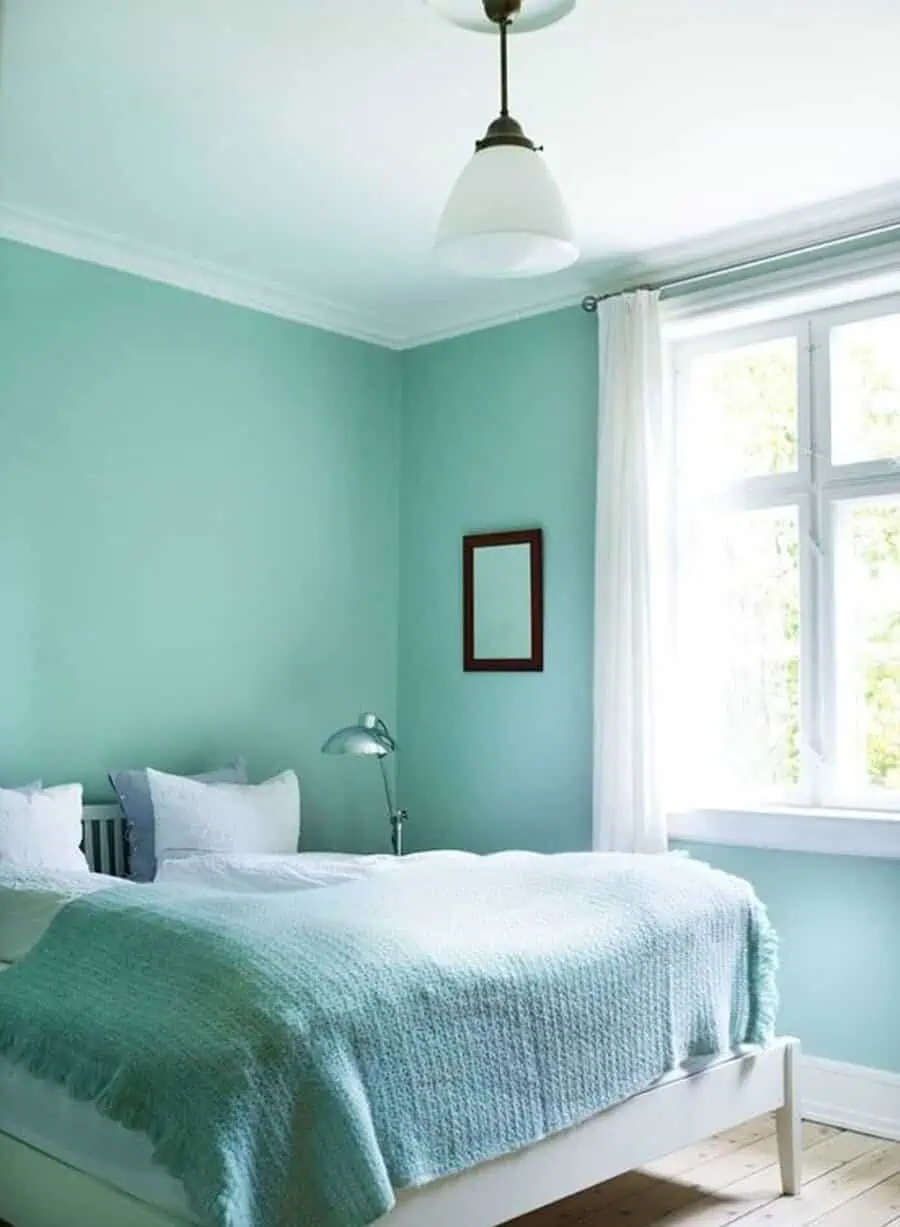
(750, 397)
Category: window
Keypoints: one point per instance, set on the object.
(788, 574)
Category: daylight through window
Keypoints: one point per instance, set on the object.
(788, 531)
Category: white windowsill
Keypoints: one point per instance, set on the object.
(839, 832)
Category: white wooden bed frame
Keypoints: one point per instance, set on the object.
(37, 1191)
(104, 839)
(686, 1107)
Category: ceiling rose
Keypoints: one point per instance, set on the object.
(470, 14)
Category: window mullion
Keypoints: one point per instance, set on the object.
(810, 546)
(820, 654)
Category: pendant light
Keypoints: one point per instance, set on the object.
(506, 216)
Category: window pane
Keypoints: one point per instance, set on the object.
(868, 639)
(739, 653)
(865, 390)
(743, 410)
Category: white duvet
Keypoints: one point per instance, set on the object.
(31, 898)
(246, 872)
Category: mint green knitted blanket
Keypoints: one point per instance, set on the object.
(297, 1057)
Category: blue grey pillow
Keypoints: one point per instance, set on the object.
(133, 791)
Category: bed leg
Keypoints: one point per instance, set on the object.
(788, 1123)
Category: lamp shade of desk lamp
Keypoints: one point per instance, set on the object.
(370, 737)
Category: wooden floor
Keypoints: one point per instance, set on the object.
(848, 1181)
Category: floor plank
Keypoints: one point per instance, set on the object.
(722, 1207)
(713, 1148)
(740, 1140)
(876, 1206)
(836, 1189)
(709, 1178)
(733, 1181)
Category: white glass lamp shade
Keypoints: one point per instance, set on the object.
(470, 14)
(506, 217)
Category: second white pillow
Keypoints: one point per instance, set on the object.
(190, 816)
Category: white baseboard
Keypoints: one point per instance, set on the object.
(851, 1097)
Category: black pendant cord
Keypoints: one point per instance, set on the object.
(504, 69)
(504, 130)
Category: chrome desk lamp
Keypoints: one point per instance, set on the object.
(371, 736)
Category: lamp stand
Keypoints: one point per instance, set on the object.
(397, 817)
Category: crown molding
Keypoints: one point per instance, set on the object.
(465, 320)
(186, 273)
(774, 236)
(425, 325)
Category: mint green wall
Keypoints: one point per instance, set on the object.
(198, 537)
(499, 432)
(199, 555)
(838, 919)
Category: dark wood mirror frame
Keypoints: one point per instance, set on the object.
(534, 663)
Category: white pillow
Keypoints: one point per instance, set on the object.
(192, 816)
(29, 900)
(42, 829)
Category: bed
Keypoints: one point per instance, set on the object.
(64, 1165)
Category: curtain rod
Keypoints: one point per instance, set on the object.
(593, 301)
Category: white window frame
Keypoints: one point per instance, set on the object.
(826, 821)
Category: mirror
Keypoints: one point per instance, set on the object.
(503, 602)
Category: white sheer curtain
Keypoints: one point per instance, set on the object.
(632, 597)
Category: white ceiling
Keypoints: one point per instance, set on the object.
(296, 154)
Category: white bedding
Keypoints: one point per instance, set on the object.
(276, 872)
(31, 898)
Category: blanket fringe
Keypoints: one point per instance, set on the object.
(89, 1080)
(763, 971)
